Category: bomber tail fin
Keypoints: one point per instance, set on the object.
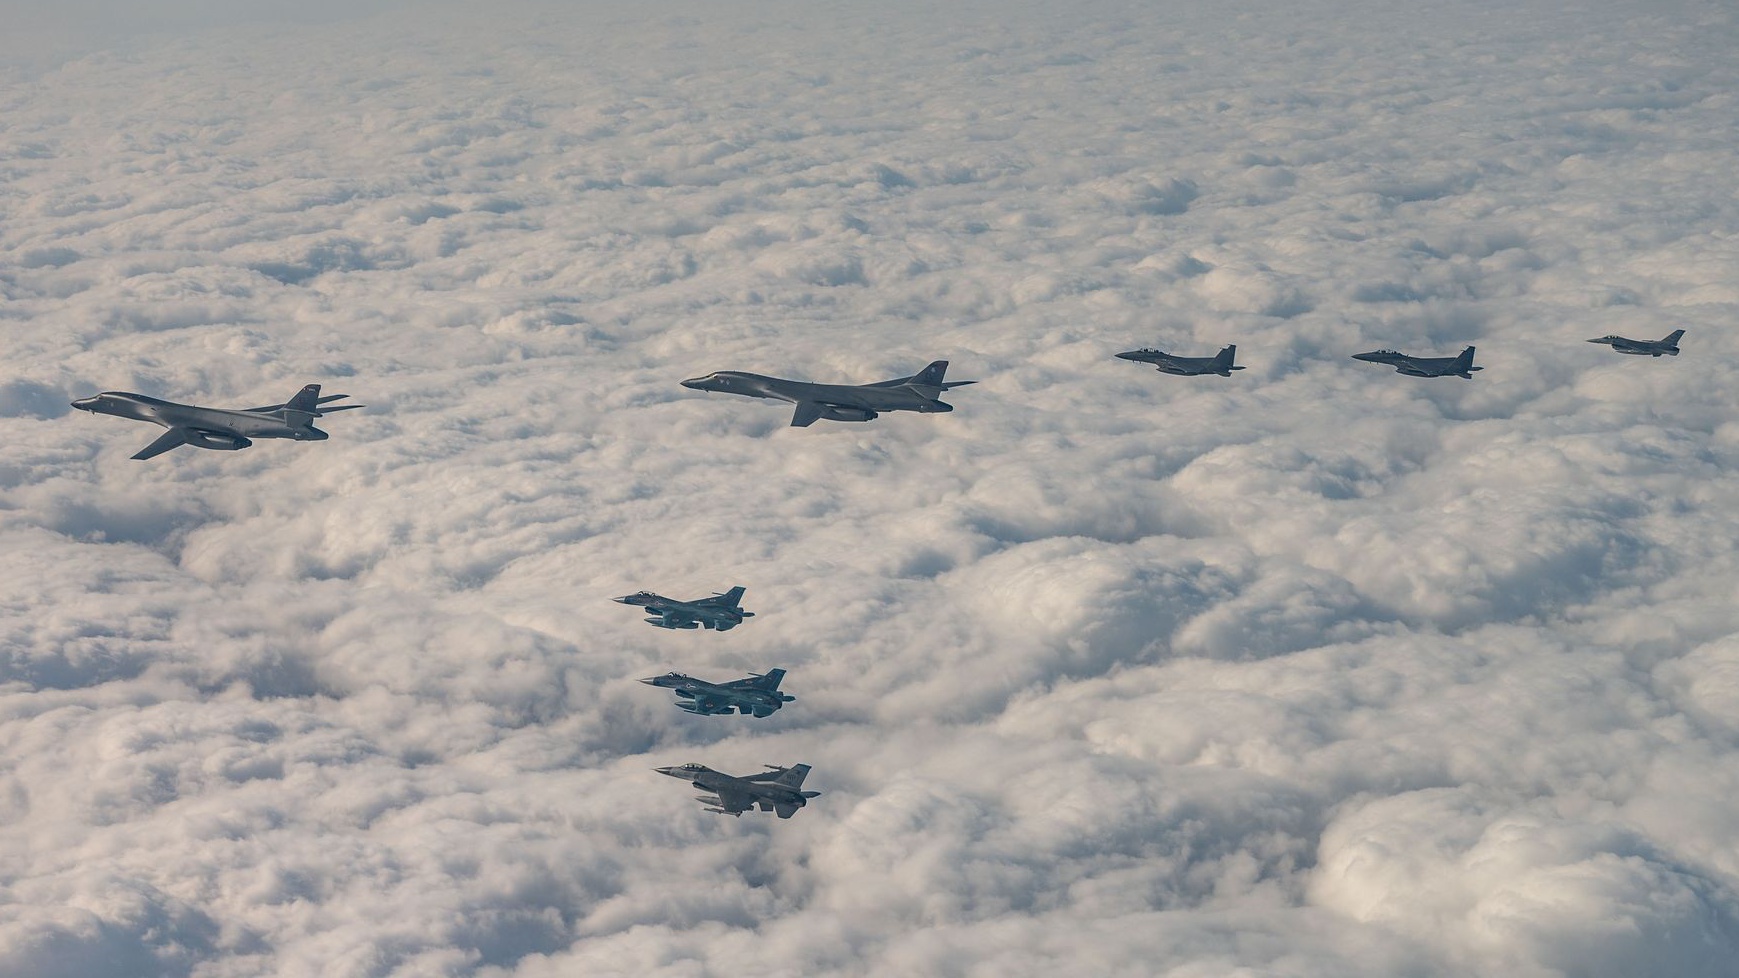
(307, 400)
(932, 375)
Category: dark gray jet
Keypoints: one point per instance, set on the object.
(774, 790)
(721, 612)
(839, 402)
(1667, 345)
(219, 429)
(757, 695)
(1186, 366)
(1461, 366)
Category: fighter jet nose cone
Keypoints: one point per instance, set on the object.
(693, 384)
(85, 403)
(665, 770)
(649, 682)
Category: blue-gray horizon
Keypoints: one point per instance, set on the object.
(1313, 669)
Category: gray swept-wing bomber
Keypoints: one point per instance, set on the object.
(1166, 363)
(920, 392)
(721, 612)
(757, 695)
(1461, 366)
(1667, 345)
(219, 429)
(778, 789)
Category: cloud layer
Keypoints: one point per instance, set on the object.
(1316, 670)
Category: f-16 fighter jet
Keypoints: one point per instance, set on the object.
(721, 612)
(1461, 366)
(1667, 345)
(1186, 366)
(774, 790)
(219, 429)
(758, 695)
(839, 402)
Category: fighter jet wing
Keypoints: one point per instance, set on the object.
(173, 438)
(734, 802)
(709, 705)
(808, 412)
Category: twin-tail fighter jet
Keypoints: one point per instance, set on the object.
(757, 695)
(1667, 345)
(1220, 364)
(721, 612)
(778, 789)
(219, 429)
(1461, 366)
(839, 402)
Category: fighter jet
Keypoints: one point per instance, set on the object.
(1461, 366)
(774, 790)
(219, 429)
(1667, 345)
(757, 694)
(839, 402)
(721, 612)
(1186, 366)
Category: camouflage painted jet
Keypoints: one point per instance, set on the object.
(839, 402)
(1461, 366)
(1667, 345)
(1186, 366)
(721, 612)
(775, 790)
(219, 429)
(757, 695)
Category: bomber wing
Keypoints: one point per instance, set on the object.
(173, 438)
(808, 412)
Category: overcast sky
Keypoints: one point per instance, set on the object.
(1317, 670)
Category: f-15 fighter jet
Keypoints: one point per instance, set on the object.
(839, 402)
(758, 695)
(1667, 345)
(774, 790)
(1186, 366)
(219, 429)
(721, 612)
(1461, 366)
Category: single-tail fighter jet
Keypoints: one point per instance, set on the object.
(1186, 366)
(775, 790)
(721, 612)
(219, 429)
(840, 402)
(1667, 345)
(1461, 366)
(758, 695)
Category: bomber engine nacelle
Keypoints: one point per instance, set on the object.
(216, 441)
(833, 413)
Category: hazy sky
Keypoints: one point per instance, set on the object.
(1313, 670)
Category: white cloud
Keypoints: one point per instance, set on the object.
(1315, 670)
